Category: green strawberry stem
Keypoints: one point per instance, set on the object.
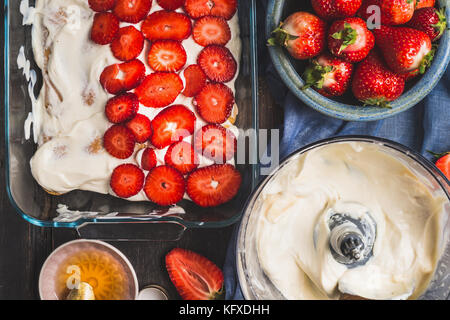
(426, 61)
(314, 75)
(438, 155)
(280, 37)
(348, 36)
(380, 102)
(442, 24)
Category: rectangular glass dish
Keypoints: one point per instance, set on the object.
(103, 216)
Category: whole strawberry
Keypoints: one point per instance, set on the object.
(393, 12)
(302, 34)
(329, 75)
(374, 84)
(335, 9)
(429, 20)
(404, 49)
(350, 40)
(424, 3)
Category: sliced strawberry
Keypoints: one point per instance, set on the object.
(148, 160)
(128, 43)
(127, 180)
(159, 89)
(171, 125)
(211, 30)
(162, 25)
(119, 141)
(170, 4)
(214, 102)
(101, 5)
(217, 63)
(167, 55)
(194, 276)
(122, 77)
(443, 163)
(122, 107)
(132, 11)
(216, 143)
(181, 156)
(214, 185)
(104, 28)
(195, 80)
(218, 8)
(141, 126)
(164, 186)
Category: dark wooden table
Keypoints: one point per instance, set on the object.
(24, 247)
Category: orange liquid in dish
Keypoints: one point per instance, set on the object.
(105, 275)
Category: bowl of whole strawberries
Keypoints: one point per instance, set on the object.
(359, 60)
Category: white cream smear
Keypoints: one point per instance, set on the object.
(293, 232)
(69, 119)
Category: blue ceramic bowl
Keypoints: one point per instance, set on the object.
(347, 107)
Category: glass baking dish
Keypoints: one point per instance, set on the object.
(103, 216)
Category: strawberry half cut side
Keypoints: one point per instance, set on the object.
(162, 25)
(104, 28)
(215, 142)
(128, 43)
(117, 78)
(164, 186)
(217, 63)
(159, 89)
(119, 141)
(141, 127)
(127, 180)
(194, 276)
(101, 5)
(181, 156)
(122, 107)
(218, 8)
(132, 11)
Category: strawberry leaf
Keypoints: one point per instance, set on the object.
(348, 36)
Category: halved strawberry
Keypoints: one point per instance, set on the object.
(217, 63)
(211, 30)
(194, 276)
(128, 43)
(104, 28)
(214, 102)
(162, 25)
(443, 164)
(170, 4)
(141, 126)
(213, 185)
(171, 125)
(195, 80)
(127, 180)
(159, 89)
(119, 141)
(216, 143)
(167, 55)
(122, 107)
(148, 160)
(181, 156)
(164, 185)
(218, 8)
(132, 11)
(101, 5)
(122, 77)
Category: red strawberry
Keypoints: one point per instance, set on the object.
(141, 127)
(404, 49)
(162, 25)
(127, 180)
(119, 141)
(148, 160)
(216, 143)
(350, 40)
(393, 12)
(443, 164)
(214, 185)
(122, 107)
(104, 28)
(329, 75)
(128, 43)
(122, 77)
(181, 156)
(214, 102)
(195, 80)
(164, 186)
(167, 55)
(159, 89)
(424, 3)
(194, 276)
(132, 11)
(429, 20)
(335, 9)
(302, 34)
(170, 4)
(171, 125)
(374, 84)
(211, 30)
(217, 63)
(101, 5)
(218, 8)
